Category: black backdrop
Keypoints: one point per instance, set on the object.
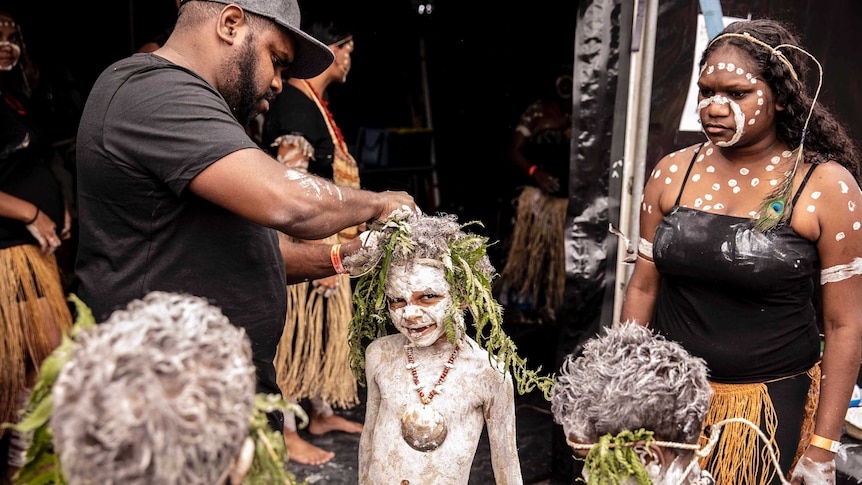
(485, 62)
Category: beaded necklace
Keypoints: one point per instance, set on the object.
(412, 366)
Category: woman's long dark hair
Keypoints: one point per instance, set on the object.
(826, 139)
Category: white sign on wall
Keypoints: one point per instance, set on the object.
(689, 120)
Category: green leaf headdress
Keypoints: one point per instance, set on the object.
(408, 237)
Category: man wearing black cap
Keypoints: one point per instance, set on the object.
(174, 195)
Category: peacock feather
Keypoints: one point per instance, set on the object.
(776, 207)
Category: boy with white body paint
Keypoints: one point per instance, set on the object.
(431, 387)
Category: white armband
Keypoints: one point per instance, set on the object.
(840, 272)
(645, 249)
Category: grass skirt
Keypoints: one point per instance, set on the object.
(32, 306)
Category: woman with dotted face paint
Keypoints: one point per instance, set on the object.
(740, 235)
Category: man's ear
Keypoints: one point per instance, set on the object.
(232, 17)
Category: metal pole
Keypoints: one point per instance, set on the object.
(636, 146)
(426, 92)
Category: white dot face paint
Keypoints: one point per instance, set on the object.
(419, 298)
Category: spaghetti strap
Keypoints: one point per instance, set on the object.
(687, 172)
(801, 186)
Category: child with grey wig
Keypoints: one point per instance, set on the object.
(637, 391)
(162, 392)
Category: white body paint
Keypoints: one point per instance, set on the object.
(474, 395)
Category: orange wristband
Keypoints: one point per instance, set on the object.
(532, 170)
(825, 443)
(335, 256)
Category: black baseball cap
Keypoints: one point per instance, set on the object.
(312, 56)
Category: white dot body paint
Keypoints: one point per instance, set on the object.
(716, 186)
(736, 190)
(673, 169)
(743, 171)
(811, 208)
(844, 188)
(815, 195)
(668, 180)
(656, 174)
(731, 183)
(695, 177)
(856, 225)
(851, 206)
(839, 236)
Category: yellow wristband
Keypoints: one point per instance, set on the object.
(825, 443)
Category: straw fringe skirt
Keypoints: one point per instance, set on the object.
(740, 457)
(32, 309)
(536, 263)
(312, 356)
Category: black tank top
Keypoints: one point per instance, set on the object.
(739, 298)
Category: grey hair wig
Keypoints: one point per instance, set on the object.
(627, 378)
(162, 392)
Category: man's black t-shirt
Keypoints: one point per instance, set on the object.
(148, 128)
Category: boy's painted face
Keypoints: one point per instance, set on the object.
(418, 298)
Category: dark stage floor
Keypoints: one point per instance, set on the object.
(537, 437)
(534, 445)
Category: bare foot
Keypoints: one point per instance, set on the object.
(320, 424)
(301, 451)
